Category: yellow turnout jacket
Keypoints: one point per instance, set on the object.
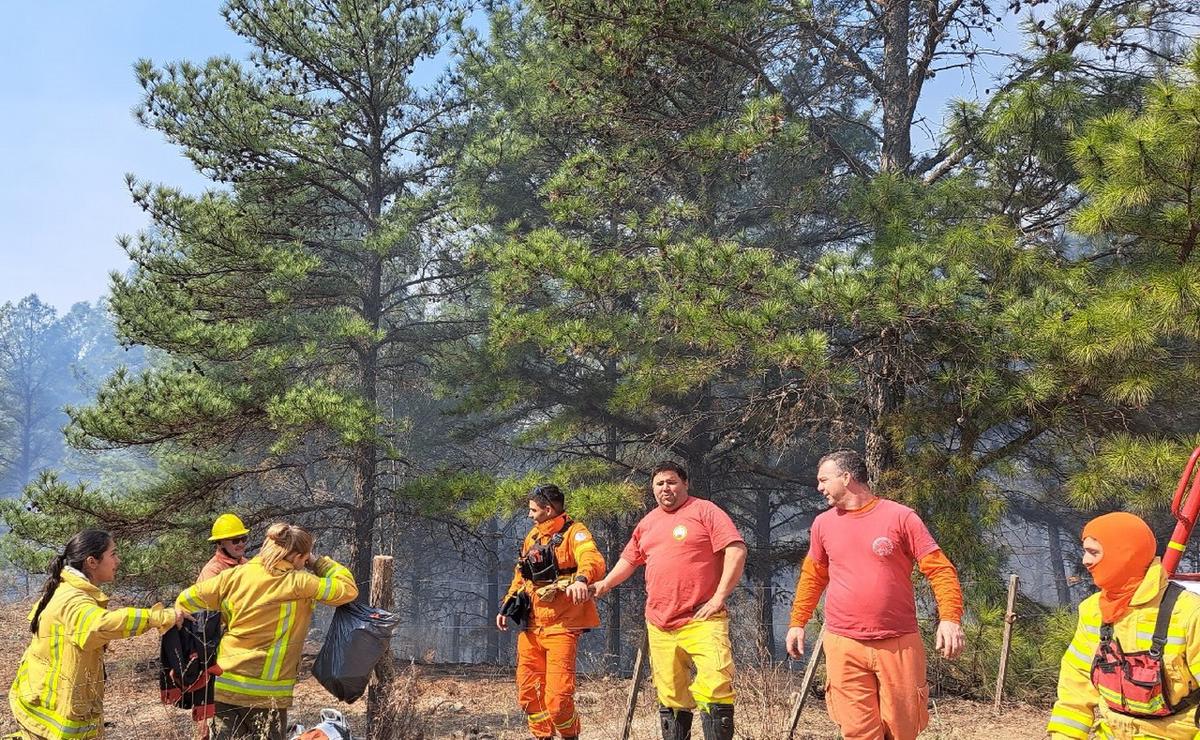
(59, 689)
(1075, 713)
(267, 612)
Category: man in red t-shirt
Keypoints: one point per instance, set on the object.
(694, 557)
(863, 548)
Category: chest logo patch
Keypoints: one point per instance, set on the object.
(883, 547)
(580, 536)
(679, 532)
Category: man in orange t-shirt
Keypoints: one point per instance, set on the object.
(863, 548)
(694, 558)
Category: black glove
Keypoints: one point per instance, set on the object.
(516, 608)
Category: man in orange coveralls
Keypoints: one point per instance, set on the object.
(559, 559)
(863, 548)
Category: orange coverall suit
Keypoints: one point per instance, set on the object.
(546, 649)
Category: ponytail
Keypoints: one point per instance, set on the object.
(56, 566)
(284, 541)
(88, 543)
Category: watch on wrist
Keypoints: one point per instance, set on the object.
(581, 579)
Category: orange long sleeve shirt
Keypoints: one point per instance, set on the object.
(936, 567)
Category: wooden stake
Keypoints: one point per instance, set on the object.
(639, 665)
(1010, 616)
(380, 598)
(810, 675)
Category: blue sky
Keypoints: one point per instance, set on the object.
(67, 134)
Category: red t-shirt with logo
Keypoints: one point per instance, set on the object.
(870, 555)
(682, 552)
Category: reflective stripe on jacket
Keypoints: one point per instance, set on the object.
(1074, 714)
(59, 689)
(578, 550)
(267, 613)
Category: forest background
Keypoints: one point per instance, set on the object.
(607, 233)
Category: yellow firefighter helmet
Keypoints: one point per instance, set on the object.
(226, 527)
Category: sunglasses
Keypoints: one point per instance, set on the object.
(237, 540)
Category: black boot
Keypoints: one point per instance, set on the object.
(717, 722)
(676, 723)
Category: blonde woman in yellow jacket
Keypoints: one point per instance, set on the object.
(268, 606)
(1119, 552)
(59, 690)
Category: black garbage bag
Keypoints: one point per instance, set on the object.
(355, 641)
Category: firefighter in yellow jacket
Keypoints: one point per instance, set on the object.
(268, 607)
(59, 690)
(1115, 640)
(558, 560)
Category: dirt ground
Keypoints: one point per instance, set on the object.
(472, 702)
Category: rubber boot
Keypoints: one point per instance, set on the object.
(676, 723)
(717, 722)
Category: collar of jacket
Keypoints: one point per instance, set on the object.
(280, 566)
(1153, 584)
(550, 526)
(224, 559)
(78, 580)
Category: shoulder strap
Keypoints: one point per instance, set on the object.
(1163, 622)
(557, 538)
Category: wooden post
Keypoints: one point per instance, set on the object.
(810, 675)
(1010, 616)
(639, 664)
(377, 692)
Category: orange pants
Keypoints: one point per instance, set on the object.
(877, 688)
(546, 682)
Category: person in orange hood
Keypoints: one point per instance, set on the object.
(558, 561)
(1120, 551)
(1139, 626)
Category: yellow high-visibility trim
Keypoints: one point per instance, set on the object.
(1116, 698)
(247, 686)
(190, 601)
(133, 621)
(85, 624)
(1175, 545)
(50, 695)
(283, 629)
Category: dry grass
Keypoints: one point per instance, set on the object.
(474, 702)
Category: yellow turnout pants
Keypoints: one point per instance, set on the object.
(700, 647)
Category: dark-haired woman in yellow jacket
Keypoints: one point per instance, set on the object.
(59, 690)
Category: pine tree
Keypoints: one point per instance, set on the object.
(296, 300)
(735, 255)
(1135, 332)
